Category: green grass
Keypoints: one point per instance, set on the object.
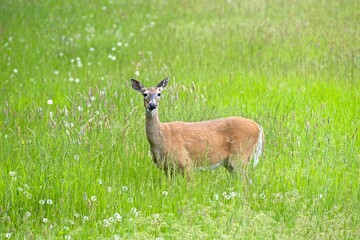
(70, 169)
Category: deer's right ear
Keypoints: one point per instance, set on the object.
(136, 85)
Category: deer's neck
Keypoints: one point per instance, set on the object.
(153, 128)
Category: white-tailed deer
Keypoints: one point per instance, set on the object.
(228, 141)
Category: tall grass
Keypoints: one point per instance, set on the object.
(74, 156)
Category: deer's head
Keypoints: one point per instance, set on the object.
(151, 95)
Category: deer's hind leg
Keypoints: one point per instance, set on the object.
(236, 166)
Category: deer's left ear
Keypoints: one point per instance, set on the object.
(136, 85)
(163, 83)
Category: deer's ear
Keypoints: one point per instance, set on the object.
(136, 85)
(163, 83)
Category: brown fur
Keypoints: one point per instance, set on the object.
(187, 144)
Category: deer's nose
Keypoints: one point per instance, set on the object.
(152, 105)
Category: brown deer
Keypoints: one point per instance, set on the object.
(228, 141)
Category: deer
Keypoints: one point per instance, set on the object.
(231, 142)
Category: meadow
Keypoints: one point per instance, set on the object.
(74, 158)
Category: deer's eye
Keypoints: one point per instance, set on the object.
(145, 94)
(159, 94)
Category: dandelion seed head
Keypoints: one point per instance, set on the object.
(93, 198)
(164, 193)
(86, 218)
(106, 222)
(125, 188)
(80, 108)
(50, 102)
(41, 202)
(8, 235)
(76, 157)
(56, 72)
(49, 201)
(45, 220)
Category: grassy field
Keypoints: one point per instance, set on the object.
(75, 161)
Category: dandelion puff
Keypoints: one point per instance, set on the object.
(93, 198)
(93, 98)
(76, 214)
(80, 108)
(118, 217)
(50, 102)
(85, 218)
(164, 193)
(100, 181)
(125, 188)
(56, 72)
(15, 71)
(49, 201)
(67, 237)
(12, 174)
(130, 199)
(8, 235)
(27, 214)
(119, 44)
(109, 189)
(234, 194)
(133, 210)
(227, 197)
(41, 202)
(116, 237)
(106, 222)
(28, 195)
(76, 157)
(262, 196)
(91, 49)
(111, 219)
(137, 73)
(113, 49)
(45, 220)
(216, 196)
(156, 215)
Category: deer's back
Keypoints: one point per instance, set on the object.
(213, 140)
